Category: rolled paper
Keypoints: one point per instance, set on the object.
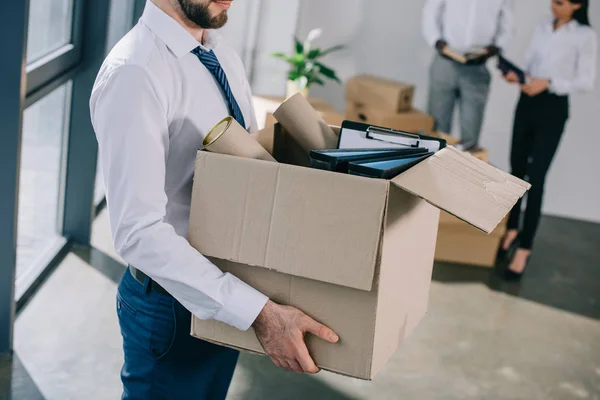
(229, 137)
(305, 125)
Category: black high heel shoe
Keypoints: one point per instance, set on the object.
(504, 254)
(511, 275)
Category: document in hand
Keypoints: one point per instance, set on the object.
(506, 66)
(465, 58)
(337, 159)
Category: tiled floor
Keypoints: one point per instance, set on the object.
(482, 338)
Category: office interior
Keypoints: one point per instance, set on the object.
(482, 338)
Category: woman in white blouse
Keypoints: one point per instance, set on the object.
(561, 60)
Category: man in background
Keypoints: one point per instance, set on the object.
(475, 30)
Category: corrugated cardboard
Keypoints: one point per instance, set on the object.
(477, 152)
(410, 121)
(354, 253)
(384, 94)
(460, 243)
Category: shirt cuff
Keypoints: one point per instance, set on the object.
(242, 307)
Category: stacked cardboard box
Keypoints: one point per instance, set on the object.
(387, 103)
(384, 102)
(266, 105)
(459, 242)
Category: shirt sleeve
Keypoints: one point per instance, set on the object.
(130, 122)
(585, 75)
(432, 21)
(506, 24)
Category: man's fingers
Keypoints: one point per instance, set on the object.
(295, 366)
(306, 361)
(320, 330)
(277, 362)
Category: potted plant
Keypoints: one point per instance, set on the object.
(306, 69)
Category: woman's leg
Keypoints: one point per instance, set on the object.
(522, 144)
(549, 127)
(548, 133)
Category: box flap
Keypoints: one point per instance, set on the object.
(465, 187)
(299, 221)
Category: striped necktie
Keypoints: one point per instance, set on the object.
(210, 61)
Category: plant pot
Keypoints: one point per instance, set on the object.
(292, 88)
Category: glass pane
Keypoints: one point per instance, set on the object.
(49, 26)
(40, 176)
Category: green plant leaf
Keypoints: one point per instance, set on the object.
(278, 55)
(313, 54)
(331, 50)
(299, 46)
(293, 75)
(328, 72)
(318, 81)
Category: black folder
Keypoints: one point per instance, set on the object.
(337, 159)
(386, 168)
(506, 66)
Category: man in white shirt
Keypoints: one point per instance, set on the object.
(464, 26)
(158, 93)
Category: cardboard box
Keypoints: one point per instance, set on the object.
(412, 121)
(386, 95)
(477, 152)
(458, 242)
(354, 253)
(266, 105)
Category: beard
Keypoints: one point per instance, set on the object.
(200, 15)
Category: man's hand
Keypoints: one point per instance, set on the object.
(492, 51)
(511, 77)
(535, 86)
(440, 45)
(281, 330)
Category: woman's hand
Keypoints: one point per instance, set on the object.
(535, 86)
(511, 77)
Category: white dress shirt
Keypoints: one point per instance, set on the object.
(566, 56)
(151, 106)
(468, 24)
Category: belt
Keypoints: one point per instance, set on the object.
(152, 285)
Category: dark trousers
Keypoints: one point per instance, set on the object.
(538, 128)
(162, 360)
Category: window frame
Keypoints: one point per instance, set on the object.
(57, 63)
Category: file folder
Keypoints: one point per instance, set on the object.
(337, 159)
(385, 168)
(506, 66)
(359, 135)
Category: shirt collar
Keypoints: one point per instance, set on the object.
(177, 39)
(570, 26)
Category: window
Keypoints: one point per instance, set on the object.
(40, 188)
(50, 25)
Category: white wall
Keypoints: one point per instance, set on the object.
(388, 43)
(340, 21)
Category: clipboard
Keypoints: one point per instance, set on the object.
(359, 135)
(337, 159)
(506, 66)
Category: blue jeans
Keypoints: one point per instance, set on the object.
(162, 360)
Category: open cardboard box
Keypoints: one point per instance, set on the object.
(354, 253)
